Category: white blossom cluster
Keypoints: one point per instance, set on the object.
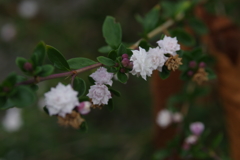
(62, 99)
(99, 93)
(144, 62)
(166, 117)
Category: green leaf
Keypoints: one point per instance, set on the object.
(84, 126)
(162, 154)
(198, 26)
(122, 50)
(37, 70)
(144, 44)
(57, 58)
(105, 49)
(23, 96)
(106, 61)
(183, 37)
(20, 63)
(3, 101)
(39, 54)
(122, 77)
(112, 69)
(11, 80)
(46, 70)
(151, 19)
(112, 32)
(80, 62)
(79, 85)
(115, 92)
(110, 105)
(165, 72)
(46, 110)
(196, 53)
(112, 55)
(211, 73)
(7, 105)
(83, 98)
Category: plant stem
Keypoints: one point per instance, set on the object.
(58, 75)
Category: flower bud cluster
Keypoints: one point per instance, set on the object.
(144, 62)
(197, 72)
(196, 129)
(166, 117)
(99, 93)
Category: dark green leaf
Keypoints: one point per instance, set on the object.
(112, 69)
(46, 70)
(84, 126)
(198, 26)
(165, 72)
(211, 73)
(112, 32)
(106, 61)
(79, 85)
(112, 55)
(105, 49)
(34, 87)
(3, 101)
(46, 110)
(37, 70)
(20, 63)
(122, 50)
(91, 80)
(39, 54)
(122, 77)
(110, 105)
(23, 96)
(77, 63)
(151, 19)
(83, 98)
(196, 53)
(183, 37)
(7, 105)
(144, 44)
(57, 58)
(217, 140)
(162, 154)
(115, 92)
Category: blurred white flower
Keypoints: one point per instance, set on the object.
(8, 32)
(99, 94)
(169, 45)
(101, 76)
(84, 107)
(192, 139)
(141, 63)
(164, 118)
(28, 9)
(156, 56)
(61, 100)
(177, 117)
(197, 128)
(12, 120)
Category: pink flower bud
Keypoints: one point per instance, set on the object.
(125, 56)
(130, 65)
(177, 117)
(84, 107)
(192, 139)
(197, 128)
(190, 73)
(125, 62)
(27, 66)
(122, 70)
(202, 65)
(192, 64)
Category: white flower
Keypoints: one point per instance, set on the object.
(164, 118)
(101, 76)
(156, 55)
(141, 63)
(8, 32)
(177, 117)
(84, 107)
(12, 120)
(61, 100)
(192, 139)
(99, 94)
(169, 45)
(197, 128)
(28, 9)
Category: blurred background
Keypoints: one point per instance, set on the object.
(74, 27)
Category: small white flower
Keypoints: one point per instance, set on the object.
(169, 45)
(197, 128)
(156, 55)
(12, 120)
(28, 9)
(84, 107)
(164, 118)
(141, 63)
(101, 76)
(61, 100)
(99, 94)
(177, 117)
(192, 139)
